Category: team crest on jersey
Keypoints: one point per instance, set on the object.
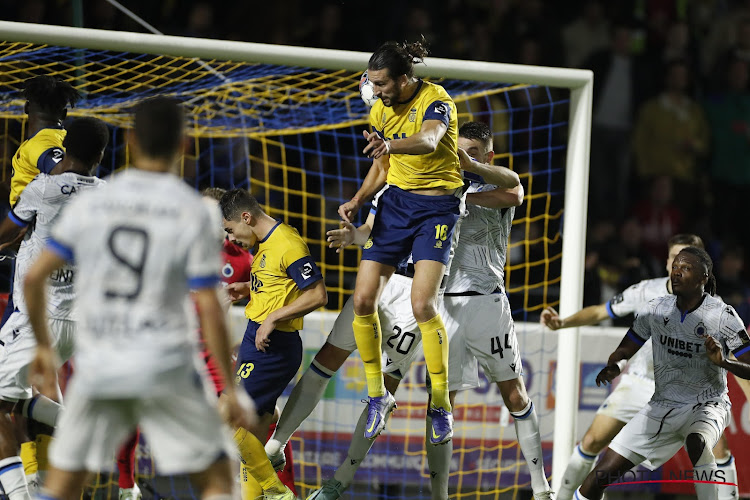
(263, 261)
(700, 330)
(383, 120)
(368, 244)
(413, 115)
(438, 244)
(227, 271)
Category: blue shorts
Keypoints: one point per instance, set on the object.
(408, 223)
(265, 375)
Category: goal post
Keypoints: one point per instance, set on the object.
(579, 82)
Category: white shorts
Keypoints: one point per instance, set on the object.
(480, 329)
(400, 333)
(183, 429)
(657, 432)
(629, 397)
(18, 349)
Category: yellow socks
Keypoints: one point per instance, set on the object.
(367, 334)
(435, 344)
(42, 448)
(28, 457)
(249, 487)
(256, 463)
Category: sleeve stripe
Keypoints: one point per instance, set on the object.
(610, 311)
(17, 220)
(199, 282)
(741, 350)
(61, 250)
(635, 337)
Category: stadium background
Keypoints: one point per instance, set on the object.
(697, 184)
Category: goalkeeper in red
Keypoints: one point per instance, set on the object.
(413, 145)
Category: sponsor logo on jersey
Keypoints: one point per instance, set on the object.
(700, 330)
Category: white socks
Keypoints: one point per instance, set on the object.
(727, 492)
(358, 449)
(706, 491)
(13, 479)
(42, 409)
(579, 466)
(302, 401)
(527, 432)
(439, 463)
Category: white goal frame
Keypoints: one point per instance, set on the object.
(580, 83)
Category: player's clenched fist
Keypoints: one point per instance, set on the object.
(238, 290)
(551, 319)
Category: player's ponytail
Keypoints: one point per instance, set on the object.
(710, 287)
(417, 50)
(399, 58)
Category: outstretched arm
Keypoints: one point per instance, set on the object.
(501, 177)
(373, 182)
(347, 234)
(590, 315)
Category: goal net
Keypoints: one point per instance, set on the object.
(288, 127)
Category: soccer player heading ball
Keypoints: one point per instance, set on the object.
(413, 147)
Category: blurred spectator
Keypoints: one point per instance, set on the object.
(739, 50)
(671, 137)
(677, 46)
(729, 117)
(618, 81)
(201, 21)
(730, 283)
(658, 217)
(723, 33)
(637, 264)
(529, 19)
(589, 33)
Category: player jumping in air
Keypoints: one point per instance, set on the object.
(488, 226)
(286, 285)
(413, 145)
(636, 386)
(690, 405)
(37, 209)
(140, 244)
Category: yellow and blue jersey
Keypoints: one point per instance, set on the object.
(282, 268)
(39, 153)
(439, 169)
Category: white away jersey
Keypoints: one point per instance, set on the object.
(479, 261)
(140, 244)
(630, 301)
(38, 208)
(683, 374)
